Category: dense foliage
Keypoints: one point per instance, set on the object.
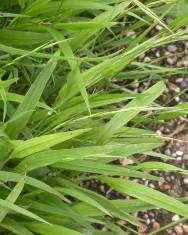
(66, 118)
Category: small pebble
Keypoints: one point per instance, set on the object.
(166, 187)
(168, 152)
(156, 226)
(168, 178)
(184, 84)
(158, 132)
(185, 180)
(179, 80)
(142, 228)
(147, 59)
(174, 155)
(102, 188)
(152, 214)
(168, 21)
(125, 161)
(175, 218)
(135, 214)
(185, 61)
(167, 53)
(121, 222)
(170, 231)
(158, 54)
(172, 48)
(179, 153)
(179, 229)
(185, 228)
(179, 64)
(185, 156)
(158, 27)
(148, 221)
(135, 180)
(171, 60)
(186, 44)
(177, 99)
(151, 185)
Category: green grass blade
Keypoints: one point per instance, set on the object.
(46, 229)
(150, 166)
(7, 83)
(12, 197)
(10, 206)
(14, 177)
(15, 227)
(147, 195)
(121, 119)
(31, 99)
(74, 76)
(37, 144)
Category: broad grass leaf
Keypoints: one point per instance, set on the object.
(130, 206)
(181, 7)
(50, 157)
(161, 166)
(180, 21)
(150, 13)
(5, 15)
(74, 76)
(31, 99)
(37, 144)
(6, 148)
(179, 110)
(15, 227)
(12, 197)
(45, 229)
(22, 38)
(146, 194)
(17, 98)
(158, 155)
(24, 53)
(7, 83)
(10, 206)
(15, 177)
(83, 197)
(121, 119)
(50, 8)
(107, 204)
(82, 38)
(102, 168)
(83, 25)
(79, 107)
(22, 3)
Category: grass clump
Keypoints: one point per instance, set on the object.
(65, 118)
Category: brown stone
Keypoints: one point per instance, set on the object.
(125, 161)
(156, 226)
(142, 228)
(166, 187)
(121, 222)
(178, 229)
(185, 228)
